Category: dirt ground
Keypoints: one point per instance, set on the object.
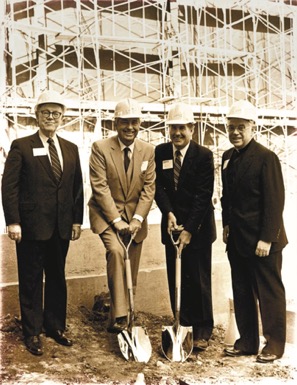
(95, 357)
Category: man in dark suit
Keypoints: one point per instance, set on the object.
(253, 229)
(42, 196)
(186, 200)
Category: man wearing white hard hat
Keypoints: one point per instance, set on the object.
(185, 199)
(122, 175)
(42, 197)
(253, 229)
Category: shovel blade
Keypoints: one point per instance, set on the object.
(135, 344)
(177, 342)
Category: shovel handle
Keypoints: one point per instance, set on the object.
(177, 274)
(177, 288)
(127, 260)
(128, 274)
(175, 233)
(125, 247)
(128, 278)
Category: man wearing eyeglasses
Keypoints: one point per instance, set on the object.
(253, 229)
(42, 195)
(122, 175)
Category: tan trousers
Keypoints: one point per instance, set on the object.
(116, 276)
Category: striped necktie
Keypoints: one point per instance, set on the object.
(56, 165)
(176, 167)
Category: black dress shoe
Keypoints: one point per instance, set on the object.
(266, 358)
(33, 345)
(119, 325)
(232, 352)
(59, 337)
(200, 344)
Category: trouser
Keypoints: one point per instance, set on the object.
(196, 296)
(259, 279)
(35, 258)
(116, 277)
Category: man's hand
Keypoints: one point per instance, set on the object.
(225, 234)
(76, 232)
(15, 232)
(122, 227)
(183, 240)
(172, 224)
(135, 226)
(263, 248)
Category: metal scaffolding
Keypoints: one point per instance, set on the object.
(206, 53)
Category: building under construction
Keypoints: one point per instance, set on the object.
(207, 53)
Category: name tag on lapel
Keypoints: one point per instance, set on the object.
(39, 151)
(144, 165)
(167, 164)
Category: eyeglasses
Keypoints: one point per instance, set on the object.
(240, 128)
(54, 114)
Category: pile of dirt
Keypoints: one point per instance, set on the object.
(95, 357)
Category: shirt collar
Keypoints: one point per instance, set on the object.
(44, 138)
(182, 151)
(242, 150)
(122, 146)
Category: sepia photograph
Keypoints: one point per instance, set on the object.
(148, 171)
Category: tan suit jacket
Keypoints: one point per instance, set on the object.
(115, 193)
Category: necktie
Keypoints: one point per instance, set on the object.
(56, 165)
(176, 167)
(126, 158)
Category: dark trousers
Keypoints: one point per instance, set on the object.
(34, 259)
(254, 280)
(196, 296)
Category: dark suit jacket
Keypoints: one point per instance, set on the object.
(31, 196)
(254, 209)
(191, 203)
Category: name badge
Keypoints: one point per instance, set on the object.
(167, 164)
(225, 163)
(39, 151)
(144, 165)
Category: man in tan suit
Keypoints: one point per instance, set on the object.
(122, 175)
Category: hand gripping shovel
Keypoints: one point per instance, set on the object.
(177, 340)
(134, 341)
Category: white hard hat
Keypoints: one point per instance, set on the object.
(127, 108)
(180, 113)
(242, 109)
(50, 97)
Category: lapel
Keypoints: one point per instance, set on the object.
(66, 162)
(226, 160)
(116, 155)
(246, 161)
(167, 154)
(44, 160)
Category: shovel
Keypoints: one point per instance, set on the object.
(133, 341)
(177, 340)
